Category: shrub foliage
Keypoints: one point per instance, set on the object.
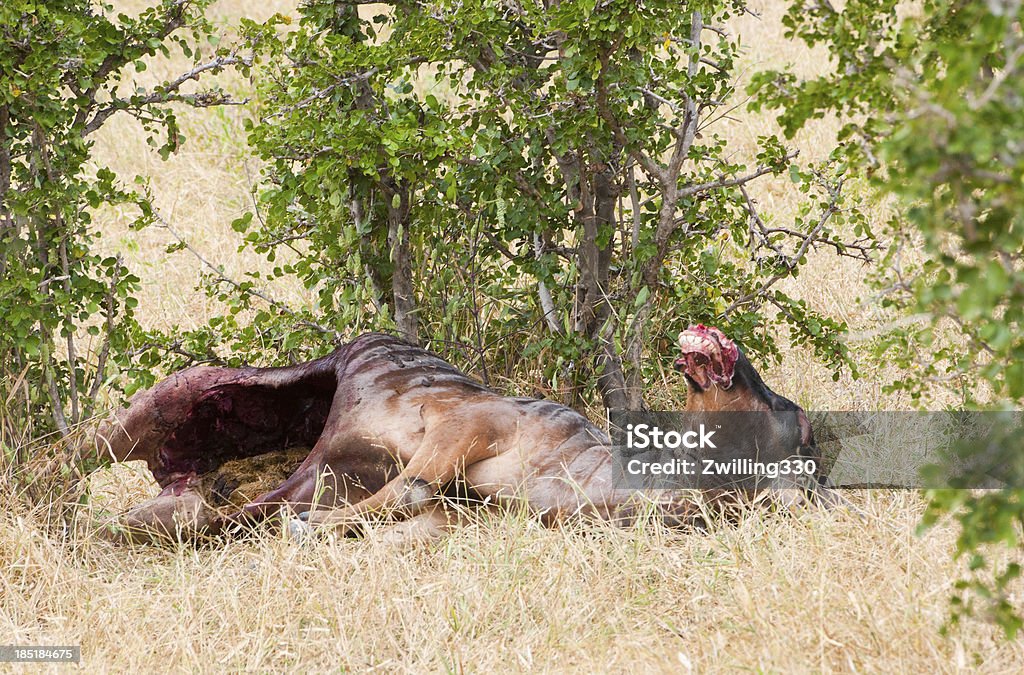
(532, 189)
(936, 102)
(68, 313)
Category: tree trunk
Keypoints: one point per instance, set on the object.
(8, 231)
(403, 291)
(610, 380)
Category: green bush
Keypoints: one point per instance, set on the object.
(537, 193)
(937, 101)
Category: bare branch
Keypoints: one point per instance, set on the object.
(756, 220)
(790, 263)
(101, 361)
(173, 20)
(731, 182)
(547, 304)
(279, 306)
(169, 91)
(661, 99)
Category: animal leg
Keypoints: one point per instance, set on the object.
(166, 518)
(346, 474)
(437, 461)
(431, 524)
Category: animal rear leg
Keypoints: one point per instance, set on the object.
(405, 495)
(302, 487)
(325, 479)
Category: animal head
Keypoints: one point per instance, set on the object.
(709, 358)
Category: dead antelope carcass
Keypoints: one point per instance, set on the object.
(384, 427)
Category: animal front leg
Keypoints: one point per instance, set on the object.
(439, 459)
(404, 496)
(431, 524)
(165, 518)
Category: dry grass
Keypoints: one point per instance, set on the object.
(819, 592)
(823, 592)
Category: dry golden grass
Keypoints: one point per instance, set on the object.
(823, 591)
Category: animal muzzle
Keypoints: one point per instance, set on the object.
(709, 357)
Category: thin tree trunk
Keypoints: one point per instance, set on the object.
(667, 226)
(406, 310)
(8, 228)
(610, 380)
(366, 245)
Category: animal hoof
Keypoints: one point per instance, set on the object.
(298, 531)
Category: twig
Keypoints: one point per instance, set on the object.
(732, 182)
(101, 361)
(547, 303)
(168, 92)
(789, 262)
(343, 82)
(281, 307)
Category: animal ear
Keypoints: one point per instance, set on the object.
(806, 433)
